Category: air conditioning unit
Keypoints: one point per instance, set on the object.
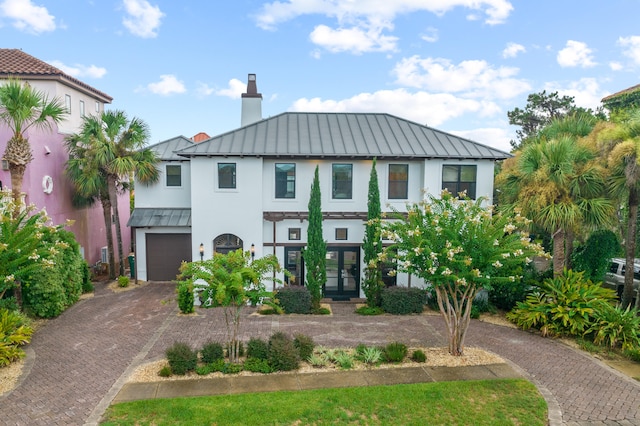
(104, 254)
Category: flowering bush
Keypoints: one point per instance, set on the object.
(458, 246)
(22, 246)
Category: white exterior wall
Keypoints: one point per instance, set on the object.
(56, 89)
(161, 195)
(217, 211)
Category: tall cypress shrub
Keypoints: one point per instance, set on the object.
(316, 251)
(372, 244)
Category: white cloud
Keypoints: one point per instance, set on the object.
(615, 66)
(272, 14)
(586, 91)
(512, 50)
(430, 35)
(79, 70)
(575, 54)
(355, 39)
(168, 85)
(473, 78)
(234, 91)
(203, 89)
(421, 107)
(28, 17)
(143, 19)
(632, 47)
(491, 136)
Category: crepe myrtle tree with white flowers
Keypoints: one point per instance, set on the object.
(458, 246)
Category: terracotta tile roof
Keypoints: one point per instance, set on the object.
(622, 92)
(16, 63)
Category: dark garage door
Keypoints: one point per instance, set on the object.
(165, 252)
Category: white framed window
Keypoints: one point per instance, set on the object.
(82, 109)
(67, 103)
(98, 107)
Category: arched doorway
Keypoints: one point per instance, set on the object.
(227, 242)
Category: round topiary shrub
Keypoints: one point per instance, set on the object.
(182, 358)
(185, 297)
(305, 345)
(211, 352)
(294, 299)
(283, 355)
(403, 300)
(257, 348)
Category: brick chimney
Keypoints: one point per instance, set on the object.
(251, 103)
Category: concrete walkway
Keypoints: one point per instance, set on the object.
(80, 361)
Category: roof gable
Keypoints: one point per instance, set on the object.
(17, 64)
(166, 149)
(336, 135)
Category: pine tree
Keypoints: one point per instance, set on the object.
(316, 250)
(372, 244)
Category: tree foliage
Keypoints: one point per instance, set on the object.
(21, 108)
(230, 281)
(459, 247)
(372, 244)
(315, 254)
(558, 181)
(107, 151)
(541, 109)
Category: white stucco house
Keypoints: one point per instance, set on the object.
(249, 188)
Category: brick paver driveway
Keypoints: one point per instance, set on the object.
(80, 360)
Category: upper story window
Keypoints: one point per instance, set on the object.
(226, 175)
(174, 175)
(98, 107)
(81, 108)
(67, 103)
(459, 178)
(342, 181)
(285, 180)
(398, 181)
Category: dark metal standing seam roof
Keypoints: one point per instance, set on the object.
(166, 150)
(144, 217)
(340, 135)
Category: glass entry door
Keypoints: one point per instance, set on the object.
(343, 273)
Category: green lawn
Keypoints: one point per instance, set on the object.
(490, 402)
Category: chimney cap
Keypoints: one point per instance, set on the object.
(252, 88)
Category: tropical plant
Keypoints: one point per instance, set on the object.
(620, 145)
(315, 254)
(459, 246)
(231, 281)
(564, 305)
(372, 284)
(114, 149)
(21, 108)
(614, 326)
(558, 182)
(14, 332)
(23, 248)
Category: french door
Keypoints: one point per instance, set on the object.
(343, 273)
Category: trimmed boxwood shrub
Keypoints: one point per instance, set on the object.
(283, 355)
(403, 300)
(257, 348)
(305, 345)
(211, 352)
(294, 299)
(182, 358)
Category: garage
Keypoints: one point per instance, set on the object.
(165, 253)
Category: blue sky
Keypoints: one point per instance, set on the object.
(456, 65)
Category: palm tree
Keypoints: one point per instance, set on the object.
(90, 186)
(115, 148)
(560, 185)
(620, 145)
(21, 108)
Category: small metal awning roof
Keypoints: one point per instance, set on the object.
(141, 217)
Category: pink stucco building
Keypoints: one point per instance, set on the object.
(45, 183)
